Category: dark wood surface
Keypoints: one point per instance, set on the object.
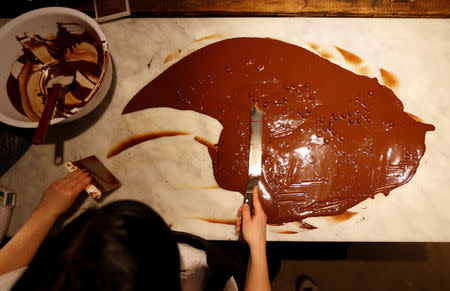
(355, 8)
(314, 8)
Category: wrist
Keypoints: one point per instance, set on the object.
(44, 214)
(258, 248)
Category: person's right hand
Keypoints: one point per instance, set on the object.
(254, 227)
(62, 193)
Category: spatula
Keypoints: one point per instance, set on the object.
(254, 160)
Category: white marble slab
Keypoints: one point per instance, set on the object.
(416, 50)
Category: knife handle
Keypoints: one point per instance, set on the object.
(247, 200)
(241, 234)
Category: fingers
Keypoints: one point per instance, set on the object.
(256, 203)
(239, 220)
(81, 185)
(70, 177)
(74, 182)
(67, 178)
(76, 179)
(246, 216)
(238, 224)
(71, 174)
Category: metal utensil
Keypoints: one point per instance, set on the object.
(254, 159)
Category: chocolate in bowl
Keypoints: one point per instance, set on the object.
(59, 43)
(71, 59)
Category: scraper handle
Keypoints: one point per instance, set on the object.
(41, 130)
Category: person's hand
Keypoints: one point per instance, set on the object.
(62, 193)
(254, 227)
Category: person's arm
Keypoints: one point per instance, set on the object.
(58, 197)
(254, 230)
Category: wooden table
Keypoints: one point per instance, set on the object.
(310, 8)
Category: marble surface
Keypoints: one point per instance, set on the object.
(163, 174)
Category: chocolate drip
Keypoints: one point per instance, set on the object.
(331, 138)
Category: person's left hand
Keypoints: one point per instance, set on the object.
(62, 193)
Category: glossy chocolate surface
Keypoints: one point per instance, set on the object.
(331, 138)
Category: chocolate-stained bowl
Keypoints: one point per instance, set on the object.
(44, 22)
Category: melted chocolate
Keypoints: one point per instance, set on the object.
(221, 221)
(208, 37)
(350, 57)
(344, 216)
(330, 138)
(12, 87)
(286, 232)
(28, 56)
(132, 141)
(57, 47)
(66, 40)
(388, 78)
(173, 55)
(305, 225)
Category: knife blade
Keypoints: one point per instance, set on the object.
(254, 159)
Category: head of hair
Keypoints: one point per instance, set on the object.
(122, 246)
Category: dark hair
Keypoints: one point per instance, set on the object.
(122, 246)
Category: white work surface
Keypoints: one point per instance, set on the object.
(163, 174)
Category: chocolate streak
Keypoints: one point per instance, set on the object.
(331, 138)
(139, 139)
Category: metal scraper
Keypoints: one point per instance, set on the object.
(103, 181)
(254, 159)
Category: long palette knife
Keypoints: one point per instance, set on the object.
(254, 160)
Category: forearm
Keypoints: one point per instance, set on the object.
(257, 271)
(20, 250)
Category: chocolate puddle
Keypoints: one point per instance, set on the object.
(331, 138)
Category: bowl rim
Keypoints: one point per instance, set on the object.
(63, 11)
